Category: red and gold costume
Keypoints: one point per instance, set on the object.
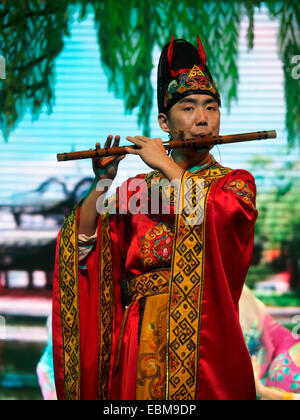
(179, 335)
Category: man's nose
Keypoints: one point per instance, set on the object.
(201, 116)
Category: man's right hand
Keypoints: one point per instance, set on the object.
(107, 167)
(104, 168)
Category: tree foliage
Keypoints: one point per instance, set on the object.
(278, 202)
(32, 35)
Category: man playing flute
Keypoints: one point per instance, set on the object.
(176, 335)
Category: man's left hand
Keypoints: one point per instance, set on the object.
(152, 151)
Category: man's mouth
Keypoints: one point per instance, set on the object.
(201, 135)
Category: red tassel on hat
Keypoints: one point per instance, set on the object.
(202, 54)
(170, 52)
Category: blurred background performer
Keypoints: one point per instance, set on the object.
(177, 334)
(274, 349)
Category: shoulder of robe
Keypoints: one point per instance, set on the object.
(242, 184)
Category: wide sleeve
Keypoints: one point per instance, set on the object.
(87, 307)
(102, 300)
(235, 215)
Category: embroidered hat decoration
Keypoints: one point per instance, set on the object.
(182, 71)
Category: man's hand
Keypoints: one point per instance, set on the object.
(154, 154)
(104, 168)
(152, 151)
(107, 167)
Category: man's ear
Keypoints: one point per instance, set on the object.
(163, 122)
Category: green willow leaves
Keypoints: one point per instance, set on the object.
(32, 35)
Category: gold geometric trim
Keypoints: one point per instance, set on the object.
(69, 307)
(106, 304)
(186, 287)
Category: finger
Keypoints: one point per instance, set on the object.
(116, 141)
(110, 161)
(131, 150)
(116, 162)
(104, 162)
(97, 147)
(136, 141)
(120, 157)
(108, 141)
(117, 159)
(142, 138)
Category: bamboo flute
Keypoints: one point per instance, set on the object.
(195, 142)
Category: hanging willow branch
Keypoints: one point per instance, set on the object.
(250, 6)
(127, 40)
(32, 34)
(223, 43)
(288, 13)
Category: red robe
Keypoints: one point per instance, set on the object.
(151, 355)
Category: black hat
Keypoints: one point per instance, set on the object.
(182, 71)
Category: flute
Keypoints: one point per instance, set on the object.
(195, 142)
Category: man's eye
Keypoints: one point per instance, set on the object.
(188, 108)
(211, 108)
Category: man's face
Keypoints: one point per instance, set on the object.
(192, 116)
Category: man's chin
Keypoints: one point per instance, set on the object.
(205, 149)
(192, 151)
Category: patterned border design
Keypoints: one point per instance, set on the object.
(154, 180)
(142, 286)
(69, 307)
(149, 284)
(242, 189)
(106, 307)
(195, 80)
(186, 289)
